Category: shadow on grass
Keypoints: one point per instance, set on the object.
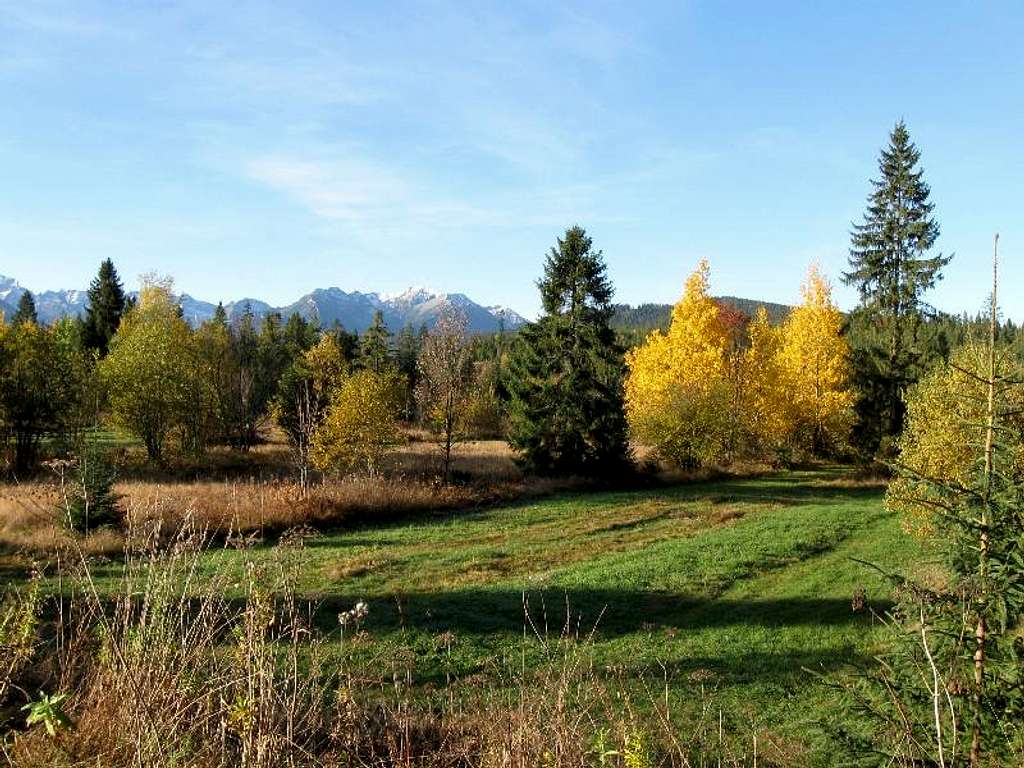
(634, 635)
(610, 613)
(788, 488)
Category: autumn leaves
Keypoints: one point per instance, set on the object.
(716, 387)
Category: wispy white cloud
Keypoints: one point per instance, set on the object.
(350, 190)
(366, 194)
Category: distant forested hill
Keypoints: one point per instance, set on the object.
(647, 317)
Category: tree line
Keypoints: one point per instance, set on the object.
(569, 391)
(139, 367)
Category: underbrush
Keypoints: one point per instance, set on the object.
(219, 498)
(168, 671)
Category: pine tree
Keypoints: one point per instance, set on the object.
(299, 334)
(407, 352)
(890, 268)
(26, 311)
(566, 411)
(950, 686)
(348, 341)
(220, 315)
(376, 345)
(107, 306)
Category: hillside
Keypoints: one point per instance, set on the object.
(647, 317)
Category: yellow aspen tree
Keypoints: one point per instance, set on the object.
(676, 388)
(361, 423)
(940, 439)
(326, 365)
(765, 402)
(815, 358)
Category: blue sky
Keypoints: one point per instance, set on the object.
(264, 149)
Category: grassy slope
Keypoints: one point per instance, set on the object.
(741, 584)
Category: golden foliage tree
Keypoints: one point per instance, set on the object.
(152, 373)
(360, 425)
(715, 387)
(815, 360)
(677, 390)
(767, 410)
(939, 443)
(304, 394)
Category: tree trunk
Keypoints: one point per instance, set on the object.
(981, 631)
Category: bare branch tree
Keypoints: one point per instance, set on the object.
(446, 380)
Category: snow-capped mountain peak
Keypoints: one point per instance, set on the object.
(416, 306)
(416, 294)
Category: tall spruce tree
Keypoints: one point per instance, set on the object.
(107, 305)
(566, 412)
(891, 270)
(407, 352)
(376, 345)
(26, 311)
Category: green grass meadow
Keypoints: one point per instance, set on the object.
(727, 594)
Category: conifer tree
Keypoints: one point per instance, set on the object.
(949, 690)
(348, 341)
(106, 308)
(252, 388)
(891, 269)
(26, 311)
(376, 345)
(566, 412)
(299, 334)
(407, 352)
(220, 315)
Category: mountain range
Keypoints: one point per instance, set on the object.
(354, 311)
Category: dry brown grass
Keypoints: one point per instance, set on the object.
(475, 460)
(268, 501)
(30, 524)
(220, 497)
